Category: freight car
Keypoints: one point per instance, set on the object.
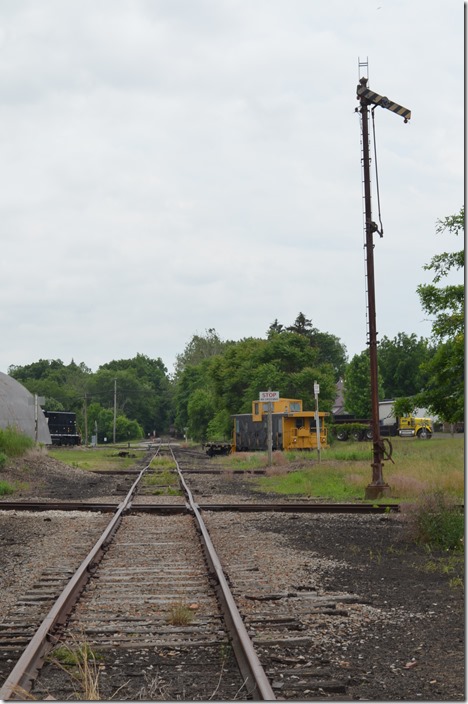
(62, 428)
(292, 428)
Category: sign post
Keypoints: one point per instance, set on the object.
(269, 397)
(270, 434)
(317, 418)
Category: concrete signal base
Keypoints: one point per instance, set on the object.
(377, 491)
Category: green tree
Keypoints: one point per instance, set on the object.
(232, 373)
(224, 385)
(220, 426)
(443, 394)
(199, 348)
(446, 303)
(37, 370)
(330, 350)
(285, 363)
(400, 363)
(357, 387)
(200, 411)
(302, 326)
(404, 406)
(102, 419)
(275, 327)
(126, 429)
(187, 383)
(444, 390)
(63, 386)
(144, 391)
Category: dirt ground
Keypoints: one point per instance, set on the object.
(417, 653)
(38, 475)
(416, 656)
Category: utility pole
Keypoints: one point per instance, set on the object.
(115, 410)
(367, 97)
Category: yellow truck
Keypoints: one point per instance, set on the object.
(346, 426)
(409, 426)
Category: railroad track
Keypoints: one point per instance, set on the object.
(151, 610)
(171, 618)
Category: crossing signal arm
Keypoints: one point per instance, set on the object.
(363, 92)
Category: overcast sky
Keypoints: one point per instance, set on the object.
(169, 166)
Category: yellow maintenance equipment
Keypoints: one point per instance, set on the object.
(292, 427)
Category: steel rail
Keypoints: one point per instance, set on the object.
(25, 671)
(254, 675)
(123, 472)
(290, 507)
(286, 506)
(192, 470)
(58, 506)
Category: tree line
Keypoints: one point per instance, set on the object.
(216, 378)
(140, 387)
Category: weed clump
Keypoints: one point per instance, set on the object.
(81, 664)
(180, 615)
(6, 488)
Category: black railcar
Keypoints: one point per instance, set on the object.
(62, 428)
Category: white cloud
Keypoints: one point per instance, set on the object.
(173, 166)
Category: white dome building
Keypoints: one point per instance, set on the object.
(17, 410)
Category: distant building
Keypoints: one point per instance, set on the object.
(338, 404)
(17, 410)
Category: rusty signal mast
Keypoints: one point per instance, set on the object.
(381, 451)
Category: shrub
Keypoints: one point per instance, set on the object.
(3, 459)
(436, 521)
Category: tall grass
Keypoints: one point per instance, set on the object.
(436, 521)
(14, 443)
(420, 467)
(162, 463)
